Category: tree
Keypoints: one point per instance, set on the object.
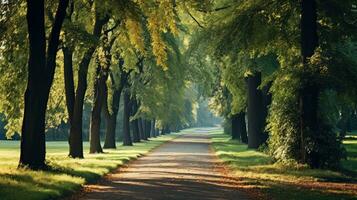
(75, 99)
(126, 123)
(255, 111)
(41, 68)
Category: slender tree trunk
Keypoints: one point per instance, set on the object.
(309, 93)
(152, 130)
(255, 111)
(126, 123)
(41, 69)
(99, 97)
(76, 130)
(136, 133)
(243, 128)
(142, 129)
(135, 123)
(75, 140)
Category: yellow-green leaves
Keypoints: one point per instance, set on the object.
(135, 34)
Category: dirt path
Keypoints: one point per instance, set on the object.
(184, 168)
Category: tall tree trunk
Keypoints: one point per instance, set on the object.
(142, 129)
(136, 133)
(76, 152)
(255, 111)
(99, 97)
(126, 121)
(147, 128)
(75, 136)
(243, 128)
(152, 130)
(309, 93)
(239, 131)
(41, 69)
(111, 119)
(135, 123)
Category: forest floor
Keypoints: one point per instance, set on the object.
(184, 168)
(68, 175)
(259, 174)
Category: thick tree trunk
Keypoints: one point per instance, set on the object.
(239, 131)
(147, 128)
(126, 121)
(40, 77)
(309, 93)
(75, 135)
(110, 142)
(111, 119)
(255, 111)
(234, 126)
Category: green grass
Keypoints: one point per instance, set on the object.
(68, 175)
(259, 173)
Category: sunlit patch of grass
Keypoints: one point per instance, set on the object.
(257, 170)
(68, 175)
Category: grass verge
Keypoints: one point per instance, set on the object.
(69, 174)
(257, 172)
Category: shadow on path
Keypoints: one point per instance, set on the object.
(184, 168)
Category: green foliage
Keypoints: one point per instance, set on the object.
(283, 118)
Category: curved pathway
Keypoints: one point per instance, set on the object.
(184, 168)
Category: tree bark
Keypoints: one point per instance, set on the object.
(239, 131)
(126, 121)
(75, 136)
(142, 129)
(115, 103)
(152, 130)
(148, 128)
(309, 93)
(135, 123)
(41, 69)
(243, 127)
(99, 97)
(255, 111)
(111, 119)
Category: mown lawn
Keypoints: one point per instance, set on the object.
(257, 172)
(68, 174)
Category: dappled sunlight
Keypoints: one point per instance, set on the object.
(258, 171)
(67, 174)
(181, 169)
